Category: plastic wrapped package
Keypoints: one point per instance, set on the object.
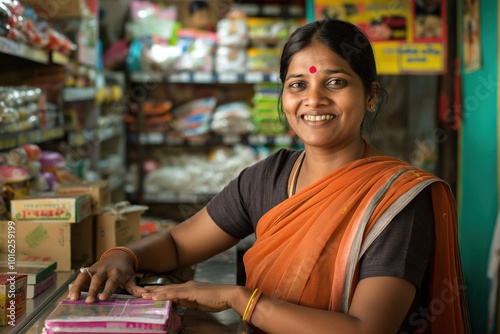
(232, 33)
(197, 49)
(263, 59)
(193, 118)
(199, 173)
(152, 19)
(157, 56)
(232, 119)
(230, 59)
(20, 108)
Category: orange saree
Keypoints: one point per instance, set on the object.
(308, 247)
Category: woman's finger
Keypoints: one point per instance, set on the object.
(81, 281)
(96, 283)
(133, 288)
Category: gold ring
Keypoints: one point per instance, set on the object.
(86, 270)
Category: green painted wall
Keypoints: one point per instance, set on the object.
(478, 195)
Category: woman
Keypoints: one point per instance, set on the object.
(347, 240)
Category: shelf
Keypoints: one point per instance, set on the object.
(36, 136)
(23, 51)
(73, 94)
(59, 58)
(161, 138)
(79, 138)
(204, 77)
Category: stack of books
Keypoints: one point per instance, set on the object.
(40, 271)
(131, 315)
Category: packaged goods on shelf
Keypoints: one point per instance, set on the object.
(233, 118)
(231, 32)
(16, 184)
(263, 59)
(193, 118)
(149, 18)
(265, 113)
(157, 116)
(197, 50)
(21, 108)
(19, 22)
(271, 27)
(230, 59)
(190, 173)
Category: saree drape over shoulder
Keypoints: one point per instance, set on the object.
(308, 248)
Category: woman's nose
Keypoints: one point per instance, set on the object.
(315, 96)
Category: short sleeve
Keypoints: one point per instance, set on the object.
(240, 205)
(228, 208)
(405, 248)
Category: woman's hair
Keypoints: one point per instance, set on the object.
(347, 41)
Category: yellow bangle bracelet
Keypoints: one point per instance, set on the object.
(249, 303)
(255, 300)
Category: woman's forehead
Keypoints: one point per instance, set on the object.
(316, 57)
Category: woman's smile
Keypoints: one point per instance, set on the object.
(318, 118)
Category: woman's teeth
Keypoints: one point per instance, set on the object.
(318, 118)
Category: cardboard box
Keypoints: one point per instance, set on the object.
(99, 193)
(70, 208)
(118, 225)
(12, 298)
(71, 245)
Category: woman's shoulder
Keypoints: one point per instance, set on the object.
(278, 160)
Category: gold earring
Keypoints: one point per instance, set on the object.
(373, 107)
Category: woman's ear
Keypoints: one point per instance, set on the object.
(372, 100)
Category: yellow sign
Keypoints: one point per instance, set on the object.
(408, 37)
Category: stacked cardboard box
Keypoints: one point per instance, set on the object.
(74, 226)
(58, 226)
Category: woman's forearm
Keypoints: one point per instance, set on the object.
(277, 316)
(156, 252)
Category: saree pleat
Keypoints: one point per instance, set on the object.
(308, 247)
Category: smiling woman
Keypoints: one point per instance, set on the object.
(348, 240)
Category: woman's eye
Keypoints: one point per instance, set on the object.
(337, 83)
(297, 84)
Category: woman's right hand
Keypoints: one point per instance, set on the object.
(114, 270)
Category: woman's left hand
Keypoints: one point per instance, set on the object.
(204, 296)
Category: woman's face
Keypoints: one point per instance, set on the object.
(323, 98)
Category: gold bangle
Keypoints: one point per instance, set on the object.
(126, 250)
(252, 307)
(249, 303)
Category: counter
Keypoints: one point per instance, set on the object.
(219, 269)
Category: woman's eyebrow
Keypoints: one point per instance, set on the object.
(327, 71)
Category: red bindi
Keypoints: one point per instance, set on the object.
(312, 69)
